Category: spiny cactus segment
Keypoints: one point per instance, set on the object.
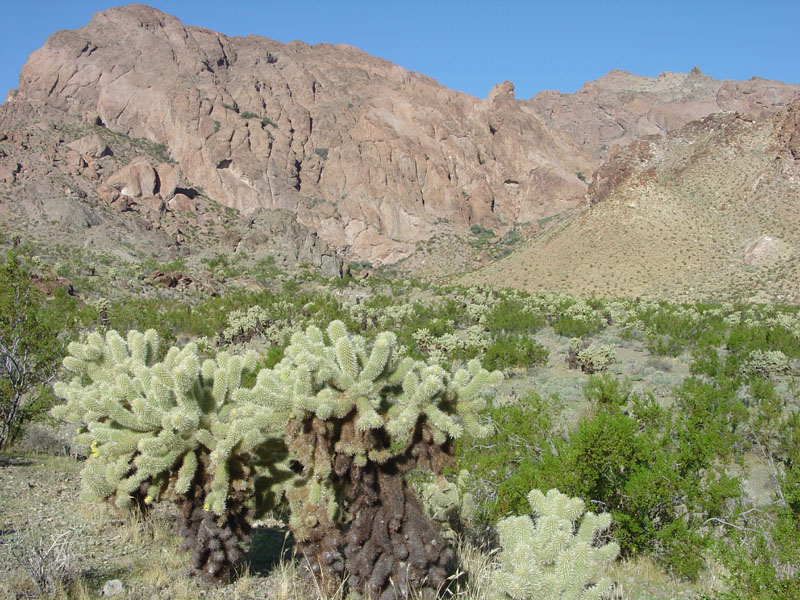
(170, 426)
(548, 558)
(359, 419)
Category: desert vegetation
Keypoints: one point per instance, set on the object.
(326, 438)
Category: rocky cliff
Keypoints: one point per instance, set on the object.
(369, 157)
(367, 154)
(707, 211)
(620, 107)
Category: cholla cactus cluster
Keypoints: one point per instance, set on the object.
(548, 558)
(359, 419)
(766, 363)
(244, 325)
(354, 419)
(168, 426)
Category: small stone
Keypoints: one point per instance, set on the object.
(113, 587)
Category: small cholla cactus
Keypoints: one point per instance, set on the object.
(766, 363)
(448, 501)
(170, 427)
(590, 358)
(547, 559)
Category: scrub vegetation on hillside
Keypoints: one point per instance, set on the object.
(335, 438)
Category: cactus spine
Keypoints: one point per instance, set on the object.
(169, 426)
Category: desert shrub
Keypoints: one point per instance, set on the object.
(659, 478)
(30, 348)
(664, 345)
(578, 326)
(51, 562)
(552, 557)
(521, 430)
(605, 390)
(512, 316)
(509, 351)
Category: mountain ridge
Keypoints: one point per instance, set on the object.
(379, 163)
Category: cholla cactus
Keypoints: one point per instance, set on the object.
(548, 559)
(448, 502)
(169, 426)
(590, 358)
(359, 419)
(766, 363)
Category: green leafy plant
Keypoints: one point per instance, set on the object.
(29, 346)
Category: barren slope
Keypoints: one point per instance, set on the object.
(710, 210)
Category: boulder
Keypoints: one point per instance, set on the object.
(169, 178)
(91, 145)
(181, 203)
(136, 179)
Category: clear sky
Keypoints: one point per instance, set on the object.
(471, 46)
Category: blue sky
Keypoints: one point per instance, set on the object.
(471, 46)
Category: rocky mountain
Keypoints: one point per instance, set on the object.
(709, 210)
(367, 154)
(139, 134)
(620, 107)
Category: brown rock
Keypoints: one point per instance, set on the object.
(136, 179)
(91, 145)
(368, 156)
(397, 152)
(169, 178)
(152, 203)
(620, 107)
(107, 193)
(181, 203)
(8, 174)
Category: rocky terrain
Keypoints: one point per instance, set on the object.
(621, 107)
(369, 156)
(709, 210)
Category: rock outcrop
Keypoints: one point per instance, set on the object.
(367, 154)
(707, 211)
(620, 107)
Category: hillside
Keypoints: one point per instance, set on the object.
(363, 160)
(369, 155)
(621, 107)
(706, 211)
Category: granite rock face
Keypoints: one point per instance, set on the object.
(621, 107)
(367, 154)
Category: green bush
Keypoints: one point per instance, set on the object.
(30, 348)
(511, 351)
